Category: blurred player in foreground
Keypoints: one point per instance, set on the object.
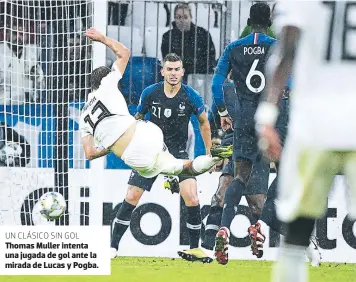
(321, 140)
(106, 122)
(268, 215)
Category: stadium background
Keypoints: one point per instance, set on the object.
(44, 110)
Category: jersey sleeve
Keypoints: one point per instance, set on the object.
(196, 101)
(224, 66)
(83, 128)
(143, 104)
(112, 79)
(222, 70)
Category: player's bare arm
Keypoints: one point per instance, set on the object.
(121, 51)
(205, 131)
(267, 113)
(287, 53)
(90, 151)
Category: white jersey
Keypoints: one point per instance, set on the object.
(323, 95)
(105, 115)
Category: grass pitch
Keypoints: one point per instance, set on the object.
(127, 269)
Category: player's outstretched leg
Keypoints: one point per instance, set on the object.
(232, 199)
(213, 221)
(204, 163)
(122, 222)
(269, 217)
(189, 193)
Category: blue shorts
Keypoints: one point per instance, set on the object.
(258, 183)
(146, 183)
(245, 139)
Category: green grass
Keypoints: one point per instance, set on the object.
(172, 270)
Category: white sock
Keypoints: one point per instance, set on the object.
(202, 164)
(291, 265)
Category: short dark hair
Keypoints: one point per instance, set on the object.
(172, 57)
(184, 7)
(260, 14)
(97, 75)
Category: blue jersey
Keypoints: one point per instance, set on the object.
(172, 115)
(246, 58)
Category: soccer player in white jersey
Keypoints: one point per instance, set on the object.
(321, 141)
(107, 126)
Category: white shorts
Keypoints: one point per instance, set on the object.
(111, 128)
(147, 153)
(306, 176)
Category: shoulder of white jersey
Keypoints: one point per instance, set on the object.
(111, 79)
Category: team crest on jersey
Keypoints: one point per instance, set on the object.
(181, 106)
(167, 113)
(181, 109)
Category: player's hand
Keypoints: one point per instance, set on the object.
(226, 123)
(269, 142)
(95, 34)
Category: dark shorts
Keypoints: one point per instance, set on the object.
(146, 183)
(245, 145)
(258, 183)
(245, 139)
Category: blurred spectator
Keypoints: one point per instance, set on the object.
(193, 43)
(14, 149)
(79, 67)
(117, 12)
(21, 74)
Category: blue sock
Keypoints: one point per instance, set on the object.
(232, 199)
(269, 215)
(194, 225)
(122, 222)
(212, 227)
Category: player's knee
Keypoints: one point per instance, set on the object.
(134, 195)
(256, 204)
(239, 177)
(191, 200)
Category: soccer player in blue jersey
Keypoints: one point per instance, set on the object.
(170, 104)
(246, 59)
(259, 175)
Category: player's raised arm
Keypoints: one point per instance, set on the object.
(121, 51)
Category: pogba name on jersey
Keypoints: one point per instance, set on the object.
(258, 50)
